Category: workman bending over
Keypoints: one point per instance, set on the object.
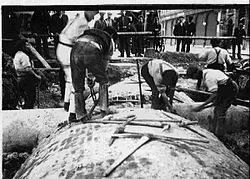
(91, 51)
(217, 58)
(27, 78)
(67, 38)
(162, 78)
(224, 91)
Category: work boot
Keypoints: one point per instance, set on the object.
(66, 106)
(211, 124)
(72, 117)
(220, 127)
(80, 106)
(103, 96)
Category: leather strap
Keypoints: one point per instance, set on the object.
(68, 45)
(90, 41)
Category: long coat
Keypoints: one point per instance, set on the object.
(190, 31)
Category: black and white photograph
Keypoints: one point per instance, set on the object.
(128, 90)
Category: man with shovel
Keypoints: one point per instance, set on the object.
(224, 91)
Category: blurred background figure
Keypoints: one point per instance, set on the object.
(139, 40)
(40, 23)
(100, 23)
(156, 31)
(179, 30)
(190, 31)
(230, 27)
(11, 25)
(58, 21)
(239, 33)
(124, 41)
(109, 21)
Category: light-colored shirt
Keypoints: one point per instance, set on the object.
(21, 61)
(156, 67)
(74, 29)
(212, 78)
(210, 56)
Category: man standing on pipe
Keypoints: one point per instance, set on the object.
(91, 52)
(67, 38)
(224, 91)
(161, 77)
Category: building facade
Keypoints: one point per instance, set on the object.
(209, 22)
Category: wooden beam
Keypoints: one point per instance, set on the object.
(142, 141)
(47, 69)
(131, 123)
(39, 57)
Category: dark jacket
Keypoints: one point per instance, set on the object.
(58, 23)
(123, 23)
(156, 29)
(190, 31)
(179, 30)
(239, 34)
(139, 27)
(40, 22)
(100, 24)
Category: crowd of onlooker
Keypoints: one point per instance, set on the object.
(45, 26)
(129, 22)
(43, 23)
